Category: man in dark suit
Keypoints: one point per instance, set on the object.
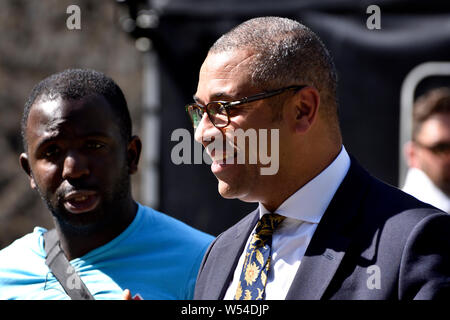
(324, 228)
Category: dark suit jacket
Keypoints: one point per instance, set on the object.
(373, 242)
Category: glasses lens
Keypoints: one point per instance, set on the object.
(217, 114)
(196, 113)
(441, 149)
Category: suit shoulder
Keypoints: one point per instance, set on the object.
(392, 200)
(395, 214)
(384, 209)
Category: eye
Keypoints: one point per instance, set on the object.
(94, 145)
(217, 108)
(52, 151)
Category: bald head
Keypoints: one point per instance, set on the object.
(286, 53)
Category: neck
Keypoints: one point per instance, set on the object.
(302, 170)
(76, 242)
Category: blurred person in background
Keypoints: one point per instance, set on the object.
(79, 153)
(428, 154)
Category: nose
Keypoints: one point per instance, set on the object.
(75, 166)
(205, 131)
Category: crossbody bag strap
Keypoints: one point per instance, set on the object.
(63, 271)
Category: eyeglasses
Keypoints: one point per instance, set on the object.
(218, 111)
(439, 149)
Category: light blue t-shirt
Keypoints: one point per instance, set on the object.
(157, 256)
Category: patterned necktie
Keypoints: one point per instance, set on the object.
(252, 281)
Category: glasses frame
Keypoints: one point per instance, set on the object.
(439, 149)
(227, 105)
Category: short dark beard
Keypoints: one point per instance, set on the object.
(113, 204)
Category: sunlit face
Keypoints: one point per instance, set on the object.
(226, 76)
(77, 159)
(434, 131)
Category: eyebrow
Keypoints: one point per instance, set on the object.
(215, 97)
(44, 141)
(55, 137)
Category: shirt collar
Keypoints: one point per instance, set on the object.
(419, 185)
(310, 201)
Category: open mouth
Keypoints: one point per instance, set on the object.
(81, 201)
(224, 158)
(223, 153)
(222, 162)
(219, 154)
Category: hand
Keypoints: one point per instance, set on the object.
(127, 295)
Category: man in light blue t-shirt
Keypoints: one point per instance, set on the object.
(79, 154)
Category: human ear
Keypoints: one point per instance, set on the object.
(133, 154)
(306, 103)
(410, 152)
(23, 159)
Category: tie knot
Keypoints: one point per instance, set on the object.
(267, 224)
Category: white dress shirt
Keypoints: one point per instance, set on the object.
(303, 211)
(420, 186)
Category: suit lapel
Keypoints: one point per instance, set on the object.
(331, 239)
(230, 248)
